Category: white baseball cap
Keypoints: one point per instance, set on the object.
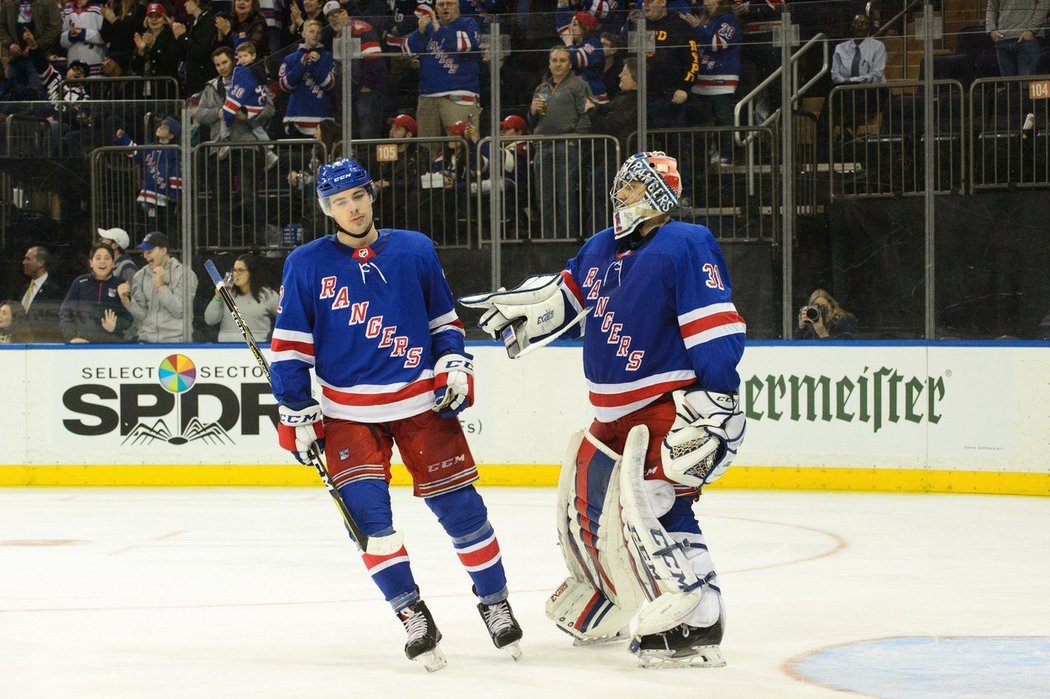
(330, 7)
(117, 235)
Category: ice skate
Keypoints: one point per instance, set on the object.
(423, 636)
(682, 646)
(502, 626)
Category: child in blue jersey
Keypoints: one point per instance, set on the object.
(661, 344)
(370, 311)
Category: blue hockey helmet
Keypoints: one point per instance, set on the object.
(340, 176)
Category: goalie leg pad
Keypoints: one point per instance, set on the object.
(586, 614)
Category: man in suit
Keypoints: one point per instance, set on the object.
(42, 297)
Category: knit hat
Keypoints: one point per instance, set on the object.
(173, 125)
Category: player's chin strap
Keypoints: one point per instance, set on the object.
(530, 316)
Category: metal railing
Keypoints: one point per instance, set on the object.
(876, 139)
(1002, 152)
(137, 189)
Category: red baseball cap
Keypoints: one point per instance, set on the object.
(457, 128)
(406, 122)
(155, 8)
(515, 122)
(586, 19)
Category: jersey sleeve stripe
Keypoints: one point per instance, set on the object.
(279, 345)
(711, 321)
(290, 356)
(448, 321)
(570, 285)
(728, 328)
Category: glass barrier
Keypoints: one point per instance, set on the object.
(502, 146)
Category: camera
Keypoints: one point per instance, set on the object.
(811, 314)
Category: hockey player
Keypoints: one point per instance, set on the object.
(370, 311)
(661, 342)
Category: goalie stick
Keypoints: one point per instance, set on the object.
(316, 459)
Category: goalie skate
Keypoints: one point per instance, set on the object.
(423, 637)
(682, 646)
(502, 626)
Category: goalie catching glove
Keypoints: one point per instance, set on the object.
(453, 384)
(703, 441)
(533, 314)
(298, 430)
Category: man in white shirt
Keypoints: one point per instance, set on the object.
(861, 59)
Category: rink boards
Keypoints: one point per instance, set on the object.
(954, 417)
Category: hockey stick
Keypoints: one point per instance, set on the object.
(316, 459)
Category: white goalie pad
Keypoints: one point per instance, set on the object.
(598, 599)
(528, 317)
(665, 571)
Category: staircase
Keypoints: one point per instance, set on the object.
(904, 53)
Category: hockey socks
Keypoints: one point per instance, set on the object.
(463, 516)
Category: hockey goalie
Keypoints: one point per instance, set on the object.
(651, 299)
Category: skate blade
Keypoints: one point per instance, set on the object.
(599, 641)
(513, 649)
(700, 657)
(432, 660)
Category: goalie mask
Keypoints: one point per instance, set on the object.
(658, 172)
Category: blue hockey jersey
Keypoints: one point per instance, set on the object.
(245, 93)
(719, 42)
(588, 62)
(448, 60)
(661, 317)
(370, 322)
(310, 86)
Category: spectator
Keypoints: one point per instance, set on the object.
(159, 293)
(719, 37)
(269, 10)
(308, 74)
(368, 74)
(397, 182)
(587, 53)
(81, 36)
(672, 66)
(124, 268)
(822, 318)
(619, 118)
(861, 59)
(326, 134)
(447, 45)
(13, 328)
(42, 297)
(248, 97)
(156, 54)
(123, 20)
(196, 41)
(162, 172)
(559, 107)
(761, 57)
(300, 12)
(1013, 25)
(39, 17)
(247, 24)
(613, 50)
(257, 304)
(91, 311)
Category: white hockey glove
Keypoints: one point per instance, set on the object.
(453, 384)
(533, 314)
(299, 429)
(703, 441)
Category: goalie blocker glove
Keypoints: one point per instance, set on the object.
(298, 430)
(703, 441)
(453, 384)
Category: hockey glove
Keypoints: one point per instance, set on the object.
(703, 441)
(453, 384)
(299, 429)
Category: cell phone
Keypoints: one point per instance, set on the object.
(470, 119)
